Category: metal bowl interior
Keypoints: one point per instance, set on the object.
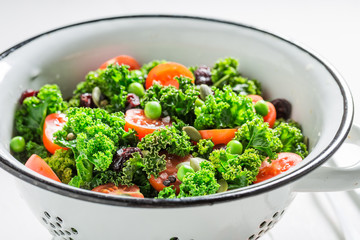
(321, 100)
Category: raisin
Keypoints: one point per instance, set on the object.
(27, 93)
(283, 108)
(166, 183)
(132, 101)
(86, 100)
(172, 179)
(203, 76)
(121, 156)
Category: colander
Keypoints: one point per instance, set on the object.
(321, 100)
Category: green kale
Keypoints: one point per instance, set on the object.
(105, 177)
(30, 149)
(30, 117)
(175, 102)
(200, 183)
(291, 122)
(224, 109)
(292, 139)
(257, 134)
(167, 193)
(97, 136)
(237, 170)
(153, 145)
(203, 148)
(225, 72)
(113, 83)
(63, 164)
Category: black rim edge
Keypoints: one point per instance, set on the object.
(253, 190)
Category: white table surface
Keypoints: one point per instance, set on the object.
(330, 28)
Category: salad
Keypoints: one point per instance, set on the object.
(160, 130)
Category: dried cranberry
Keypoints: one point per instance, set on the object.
(86, 100)
(219, 146)
(203, 76)
(132, 101)
(121, 156)
(283, 108)
(27, 93)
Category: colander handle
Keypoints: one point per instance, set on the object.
(333, 178)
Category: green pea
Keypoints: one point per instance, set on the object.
(235, 147)
(136, 88)
(261, 108)
(17, 144)
(152, 110)
(183, 170)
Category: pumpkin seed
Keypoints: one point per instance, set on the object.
(195, 163)
(96, 95)
(192, 133)
(205, 91)
(70, 136)
(223, 185)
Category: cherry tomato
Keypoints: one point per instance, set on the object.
(122, 60)
(136, 119)
(219, 136)
(165, 74)
(38, 165)
(255, 98)
(284, 161)
(271, 116)
(171, 162)
(110, 188)
(53, 123)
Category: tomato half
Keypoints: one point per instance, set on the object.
(219, 136)
(271, 116)
(38, 165)
(284, 161)
(171, 162)
(136, 119)
(53, 123)
(110, 188)
(122, 60)
(166, 72)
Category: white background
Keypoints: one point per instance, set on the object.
(330, 28)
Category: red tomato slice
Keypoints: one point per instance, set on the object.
(135, 119)
(53, 123)
(38, 165)
(255, 98)
(218, 136)
(171, 162)
(271, 116)
(110, 188)
(122, 60)
(166, 72)
(284, 161)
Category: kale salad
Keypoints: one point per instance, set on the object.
(160, 130)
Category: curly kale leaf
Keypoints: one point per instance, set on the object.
(167, 193)
(224, 109)
(97, 136)
(257, 134)
(113, 83)
(291, 122)
(203, 148)
(292, 139)
(106, 177)
(225, 72)
(30, 149)
(200, 183)
(175, 102)
(30, 117)
(63, 164)
(237, 170)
